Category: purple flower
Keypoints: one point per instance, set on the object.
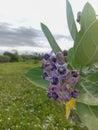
(72, 81)
(62, 80)
(66, 87)
(61, 70)
(55, 95)
(60, 58)
(54, 80)
(66, 96)
(44, 75)
(74, 73)
(53, 67)
(47, 56)
(55, 88)
(49, 95)
(53, 59)
(75, 93)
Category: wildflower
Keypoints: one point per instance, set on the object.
(74, 74)
(46, 57)
(54, 80)
(62, 70)
(60, 58)
(74, 93)
(45, 75)
(53, 59)
(66, 96)
(55, 95)
(62, 80)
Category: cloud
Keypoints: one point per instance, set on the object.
(25, 38)
(11, 37)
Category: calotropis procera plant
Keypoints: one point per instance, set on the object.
(81, 62)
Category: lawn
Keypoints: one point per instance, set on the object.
(23, 106)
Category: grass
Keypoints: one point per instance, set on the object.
(23, 106)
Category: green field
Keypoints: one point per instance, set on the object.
(24, 106)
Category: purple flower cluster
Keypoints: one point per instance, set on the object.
(62, 80)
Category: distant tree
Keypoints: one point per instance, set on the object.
(14, 57)
(4, 58)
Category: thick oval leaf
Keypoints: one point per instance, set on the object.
(88, 16)
(71, 21)
(88, 115)
(92, 74)
(50, 38)
(87, 49)
(93, 77)
(34, 75)
(88, 93)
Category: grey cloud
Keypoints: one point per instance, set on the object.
(23, 36)
(58, 36)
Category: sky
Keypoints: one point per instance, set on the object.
(20, 23)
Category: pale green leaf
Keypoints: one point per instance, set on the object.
(71, 21)
(70, 59)
(88, 86)
(88, 92)
(50, 38)
(88, 16)
(88, 115)
(87, 48)
(92, 75)
(35, 76)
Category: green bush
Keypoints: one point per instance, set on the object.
(4, 58)
(14, 57)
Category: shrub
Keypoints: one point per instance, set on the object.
(14, 57)
(4, 58)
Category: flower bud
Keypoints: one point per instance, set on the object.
(78, 16)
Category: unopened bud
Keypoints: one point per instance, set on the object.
(78, 16)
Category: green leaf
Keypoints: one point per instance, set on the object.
(35, 76)
(70, 59)
(88, 16)
(92, 74)
(88, 115)
(78, 38)
(88, 92)
(87, 49)
(50, 38)
(88, 86)
(71, 21)
(93, 77)
(70, 56)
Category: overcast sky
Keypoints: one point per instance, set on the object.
(20, 23)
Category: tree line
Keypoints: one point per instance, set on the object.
(15, 57)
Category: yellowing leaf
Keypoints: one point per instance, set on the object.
(69, 105)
